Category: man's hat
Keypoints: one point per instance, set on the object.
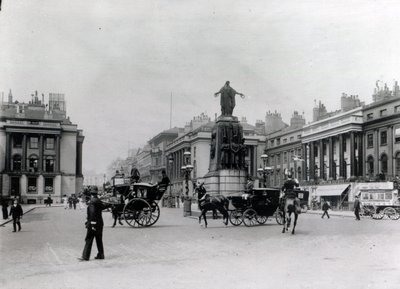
(94, 190)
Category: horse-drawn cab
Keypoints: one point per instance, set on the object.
(253, 207)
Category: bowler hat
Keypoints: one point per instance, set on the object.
(94, 190)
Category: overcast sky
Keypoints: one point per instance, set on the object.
(118, 62)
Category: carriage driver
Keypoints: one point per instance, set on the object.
(288, 192)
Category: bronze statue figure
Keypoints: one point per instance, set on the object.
(227, 99)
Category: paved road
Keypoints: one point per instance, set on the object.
(178, 253)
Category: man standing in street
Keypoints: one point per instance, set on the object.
(16, 214)
(325, 208)
(94, 225)
(357, 207)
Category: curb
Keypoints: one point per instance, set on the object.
(26, 212)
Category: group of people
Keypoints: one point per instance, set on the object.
(71, 202)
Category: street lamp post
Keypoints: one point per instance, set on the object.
(264, 171)
(186, 170)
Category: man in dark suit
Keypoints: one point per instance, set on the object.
(16, 213)
(357, 208)
(94, 225)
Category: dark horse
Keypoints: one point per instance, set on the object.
(212, 203)
(289, 207)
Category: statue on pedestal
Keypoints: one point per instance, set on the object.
(228, 102)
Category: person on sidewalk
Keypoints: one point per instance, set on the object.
(325, 208)
(49, 201)
(357, 207)
(16, 214)
(65, 202)
(94, 226)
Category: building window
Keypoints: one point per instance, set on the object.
(271, 160)
(299, 136)
(194, 152)
(291, 138)
(34, 142)
(383, 138)
(49, 164)
(32, 187)
(49, 143)
(278, 159)
(370, 140)
(16, 163)
(398, 164)
(33, 163)
(370, 161)
(397, 108)
(49, 185)
(285, 140)
(344, 145)
(285, 157)
(383, 112)
(272, 143)
(278, 141)
(370, 116)
(384, 162)
(17, 140)
(397, 135)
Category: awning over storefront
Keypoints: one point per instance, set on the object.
(331, 190)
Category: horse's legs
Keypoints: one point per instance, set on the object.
(295, 221)
(224, 214)
(203, 214)
(289, 219)
(284, 221)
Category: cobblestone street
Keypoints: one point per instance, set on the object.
(177, 253)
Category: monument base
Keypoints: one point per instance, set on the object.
(226, 182)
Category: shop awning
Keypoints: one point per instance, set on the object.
(331, 190)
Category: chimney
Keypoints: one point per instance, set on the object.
(10, 97)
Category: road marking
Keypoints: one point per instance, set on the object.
(54, 254)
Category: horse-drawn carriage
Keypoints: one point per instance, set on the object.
(253, 207)
(136, 203)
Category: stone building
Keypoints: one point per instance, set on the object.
(40, 149)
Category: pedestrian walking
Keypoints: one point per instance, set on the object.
(357, 207)
(65, 201)
(49, 201)
(70, 202)
(4, 207)
(94, 226)
(74, 201)
(16, 214)
(325, 208)
(81, 204)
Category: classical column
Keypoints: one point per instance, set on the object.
(40, 161)
(304, 163)
(341, 156)
(390, 142)
(360, 144)
(376, 149)
(8, 151)
(330, 156)
(58, 154)
(312, 162)
(352, 155)
(321, 159)
(24, 149)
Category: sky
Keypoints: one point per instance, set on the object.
(118, 62)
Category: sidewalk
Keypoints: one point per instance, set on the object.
(26, 209)
(347, 214)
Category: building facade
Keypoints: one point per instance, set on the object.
(40, 150)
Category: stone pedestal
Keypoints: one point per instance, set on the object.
(227, 173)
(225, 182)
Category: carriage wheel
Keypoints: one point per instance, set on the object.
(261, 219)
(249, 218)
(391, 213)
(153, 214)
(235, 217)
(135, 213)
(279, 216)
(378, 216)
